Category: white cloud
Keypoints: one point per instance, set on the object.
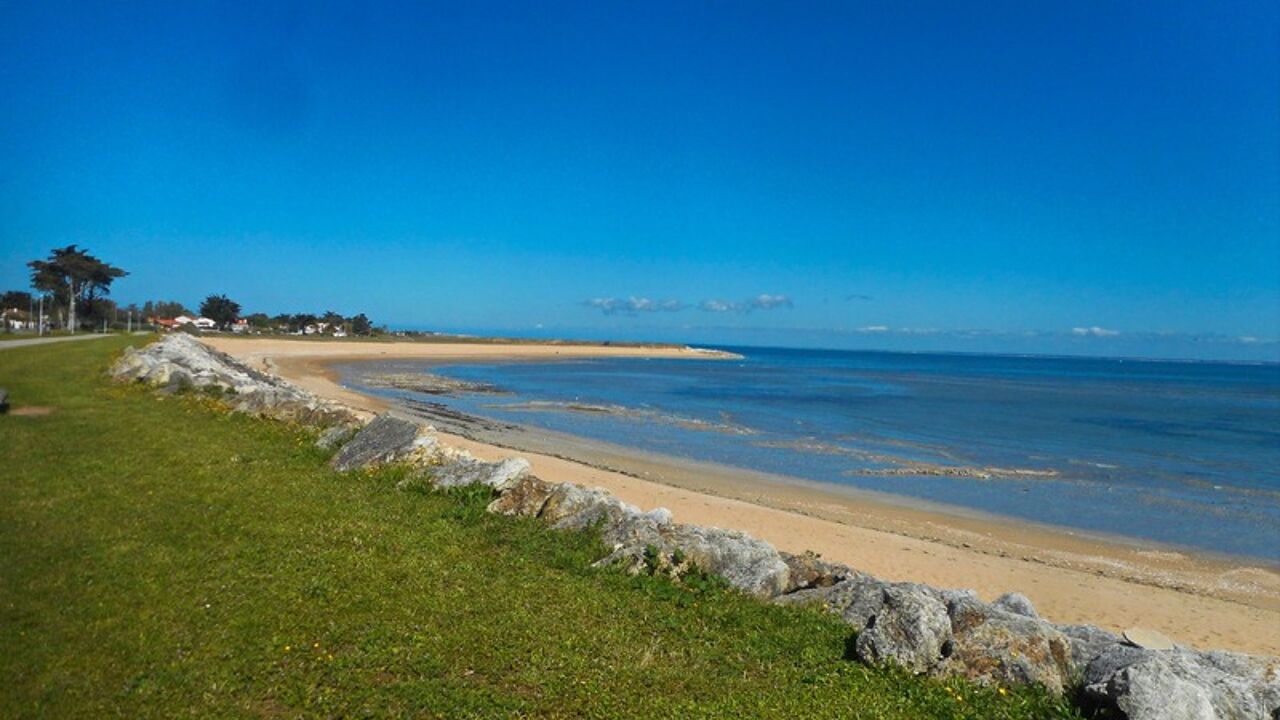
(633, 305)
(720, 306)
(1094, 331)
(765, 301)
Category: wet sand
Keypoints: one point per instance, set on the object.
(1200, 600)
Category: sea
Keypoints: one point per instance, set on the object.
(1180, 454)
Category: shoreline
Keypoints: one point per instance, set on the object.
(1198, 599)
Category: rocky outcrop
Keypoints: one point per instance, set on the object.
(1087, 643)
(992, 645)
(466, 470)
(385, 440)
(1183, 684)
(649, 540)
(908, 627)
(808, 571)
(179, 362)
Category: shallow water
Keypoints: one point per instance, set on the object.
(1180, 453)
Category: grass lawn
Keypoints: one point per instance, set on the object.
(162, 558)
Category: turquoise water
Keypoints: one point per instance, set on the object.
(1174, 452)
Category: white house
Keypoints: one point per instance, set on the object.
(204, 323)
(183, 320)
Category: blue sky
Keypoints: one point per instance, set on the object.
(1084, 177)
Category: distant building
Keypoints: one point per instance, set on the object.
(204, 323)
(240, 326)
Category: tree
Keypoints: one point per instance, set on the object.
(300, 321)
(360, 325)
(220, 309)
(15, 300)
(333, 320)
(164, 309)
(73, 276)
(258, 321)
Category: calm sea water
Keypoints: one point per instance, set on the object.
(1181, 453)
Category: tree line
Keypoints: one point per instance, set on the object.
(72, 288)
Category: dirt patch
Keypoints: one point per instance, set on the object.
(32, 410)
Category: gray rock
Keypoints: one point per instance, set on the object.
(808, 571)
(910, 629)
(745, 562)
(573, 507)
(1182, 684)
(179, 361)
(386, 439)
(524, 497)
(1016, 603)
(463, 472)
(1087, 643)
(337, 435)
(638, 539)
(992, 645)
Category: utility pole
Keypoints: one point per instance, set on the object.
(40, 325)
(72, 299)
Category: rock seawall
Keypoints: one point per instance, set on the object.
(927, 630)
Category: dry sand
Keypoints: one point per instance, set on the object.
(1207, 602)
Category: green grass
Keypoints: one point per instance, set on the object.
(162, 558)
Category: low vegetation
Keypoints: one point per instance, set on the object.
(163, 558)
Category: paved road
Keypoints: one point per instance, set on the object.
(6, 344)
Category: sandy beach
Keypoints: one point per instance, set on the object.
(1207, 602)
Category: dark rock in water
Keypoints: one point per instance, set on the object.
(386, 439)
(1183, 684)
(990, 644)
(808, 571)
(910, 629)
(1016, 603)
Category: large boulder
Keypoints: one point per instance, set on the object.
(857, 598)
(467, 471)
(179, 362)
(746, 563)
(573, 507)
(386, 439)
(1016, 603)
(524, 497)
(1087, 643)
(909, 629)
(648, 541)
(1184, 684)
(992, 645)
(808, 571)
